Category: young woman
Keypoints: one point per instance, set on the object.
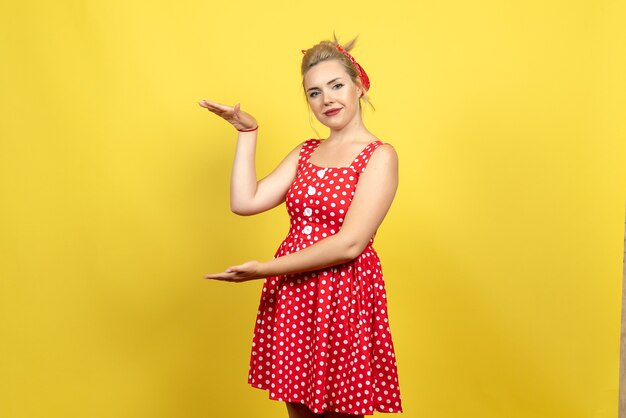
(322, 342)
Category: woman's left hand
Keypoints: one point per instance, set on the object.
(241, 273)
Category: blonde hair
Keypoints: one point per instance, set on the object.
(325, 51)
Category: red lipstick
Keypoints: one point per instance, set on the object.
(332, 112)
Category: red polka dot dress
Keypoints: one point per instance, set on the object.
(322, 338)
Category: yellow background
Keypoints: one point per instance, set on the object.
(502, 252)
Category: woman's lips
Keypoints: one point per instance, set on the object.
(332, 112)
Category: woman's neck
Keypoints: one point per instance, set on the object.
(354, 131)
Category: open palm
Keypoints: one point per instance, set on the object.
(232, 114)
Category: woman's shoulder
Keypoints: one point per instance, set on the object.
(384, 152)
(383, 144)
(380, 141)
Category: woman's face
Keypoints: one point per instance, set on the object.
(331, 93)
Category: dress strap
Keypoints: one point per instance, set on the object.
(307, 149)
(360, 162)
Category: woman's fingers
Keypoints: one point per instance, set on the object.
(220, 276)
(210, 103)
(228, 277)
(216, 108)
(229, 273)
(234, 115)
(241, 272)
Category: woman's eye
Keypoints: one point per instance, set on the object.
(313, 94)
(338, 85)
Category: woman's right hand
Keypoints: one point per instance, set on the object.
(241, 120)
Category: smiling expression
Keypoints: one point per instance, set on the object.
(331, 93)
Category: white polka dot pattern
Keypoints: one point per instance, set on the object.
(322, 338)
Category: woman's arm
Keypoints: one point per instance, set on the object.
(249, 197)
(371, 201)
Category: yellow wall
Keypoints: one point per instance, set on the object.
(502, 252)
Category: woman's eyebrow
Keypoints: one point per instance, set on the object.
(330, 82)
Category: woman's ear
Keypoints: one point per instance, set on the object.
(359, 89)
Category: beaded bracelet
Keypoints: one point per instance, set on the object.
(249, 130)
